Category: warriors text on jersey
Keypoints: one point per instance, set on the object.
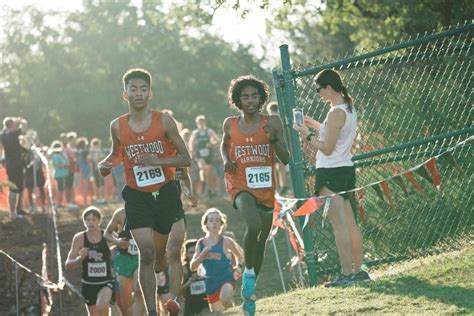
(254, 156)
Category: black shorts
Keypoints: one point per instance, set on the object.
(90, 291)
(142, 209)
(262, 208)
(180, 212)
(70, 180)
(61, 183)
(15, 175)
(30, 179)
(336, 179)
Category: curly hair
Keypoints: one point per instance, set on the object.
(238, 84)
(205, 217)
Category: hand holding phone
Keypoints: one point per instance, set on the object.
(298, 117)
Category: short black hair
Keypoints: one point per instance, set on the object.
(238, 84)
(136, 73)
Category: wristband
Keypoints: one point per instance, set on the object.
(310, 135)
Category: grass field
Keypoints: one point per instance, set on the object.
(443, 284)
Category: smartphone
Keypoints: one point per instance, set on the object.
(298, 116)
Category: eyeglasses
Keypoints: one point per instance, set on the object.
(247, 97)
(319, 89)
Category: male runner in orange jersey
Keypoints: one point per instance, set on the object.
(150, 147)
(249, 146)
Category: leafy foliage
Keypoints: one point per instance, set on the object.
(332, 28)
(62, 71)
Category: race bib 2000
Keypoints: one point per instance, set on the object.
(97, 269)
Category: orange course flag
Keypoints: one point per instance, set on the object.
(411, 178)
(310, 206)
(433, 169)
(386, 191)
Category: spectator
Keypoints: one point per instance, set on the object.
(13, 127)
(96, 155)
(69, 143)
(34, 173)
(84, 166)
(335, 171)
(60, 163)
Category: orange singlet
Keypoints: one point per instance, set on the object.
(152, 140)
(255, 157)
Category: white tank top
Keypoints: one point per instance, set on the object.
(341, 156)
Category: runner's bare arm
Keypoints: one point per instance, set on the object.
(192, 144)
(334, 124)
(77, 253)
(115, 222)
(113, 158)
(274, 130)
(187, 187)
(235, 248)
(229, 166)
(199, 256)
(214, 138)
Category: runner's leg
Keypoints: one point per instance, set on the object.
(144, 237)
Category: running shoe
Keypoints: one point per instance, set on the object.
(249, 308)
(341, 280)
(172, 306)
(248, 287)
(361, 276)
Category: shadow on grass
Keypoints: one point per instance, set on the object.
(416, 288)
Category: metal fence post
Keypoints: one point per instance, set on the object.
(296, 164)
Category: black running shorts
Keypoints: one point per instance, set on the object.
(336, 179)
(143, 209)
(15, 175)
(90, 291)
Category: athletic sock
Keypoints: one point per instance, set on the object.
(249, 271)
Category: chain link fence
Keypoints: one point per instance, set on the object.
(414, 102)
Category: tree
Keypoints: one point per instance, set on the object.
(66, 75)
(336, 27)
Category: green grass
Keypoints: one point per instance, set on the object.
(442, 284)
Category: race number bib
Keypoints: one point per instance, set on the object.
(132, 247)
(198, 287)
(97, 269)
(204, 152)
(259, 177)
(145, 176)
